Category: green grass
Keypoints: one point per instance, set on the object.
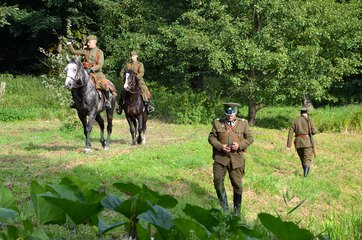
(177, 160)
(41, 139)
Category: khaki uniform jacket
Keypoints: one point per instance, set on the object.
(137, 67)
(300, 130)
(222, 134)
(92, 57)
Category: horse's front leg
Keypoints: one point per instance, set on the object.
(100, 122)
(132, 127)
(140, 129)
(87, 132)
(109, 125)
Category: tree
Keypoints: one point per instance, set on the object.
(272, 51)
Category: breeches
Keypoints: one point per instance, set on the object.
(235, 176)
(143, 87)
(100, 81)
(305, 155)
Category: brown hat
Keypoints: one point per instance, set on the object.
(91, 37)
(134, 53)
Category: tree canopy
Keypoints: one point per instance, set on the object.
(258, 52)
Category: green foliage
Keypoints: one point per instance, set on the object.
(187, 107)
(8, 208)
(143, 206)
(79, 203)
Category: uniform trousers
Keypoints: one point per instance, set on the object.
(235, 176)
(305, 155)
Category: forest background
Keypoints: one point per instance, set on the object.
(256, 52)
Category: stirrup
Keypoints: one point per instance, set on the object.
(107, 104)
(150, 109)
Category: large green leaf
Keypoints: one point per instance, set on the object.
(111, 201)
(128, 188)
(80, 203)
(187, 227)
(7, 200)
(158, 216)
(284, 230)
(7, 213)
(45, 211)
(103, 227)
(201, 215)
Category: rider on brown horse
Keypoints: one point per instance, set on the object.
(93, 63)
(139, 70)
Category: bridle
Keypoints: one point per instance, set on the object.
(130, 83)
(76, 85)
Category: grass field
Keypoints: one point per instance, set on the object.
(177, 160)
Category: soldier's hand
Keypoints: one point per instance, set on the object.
(235, 146)
(226, 149)
(69, 40)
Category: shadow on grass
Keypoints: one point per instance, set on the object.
(277, 122)
(50, 147)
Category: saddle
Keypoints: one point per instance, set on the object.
(105, 82)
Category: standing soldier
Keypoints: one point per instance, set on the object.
(139, 70)
(93, 63)
(229, 138)
(303, 128)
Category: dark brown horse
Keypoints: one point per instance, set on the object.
(134, 108)
(88, 102)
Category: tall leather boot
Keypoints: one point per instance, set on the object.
(107, 103)
(237, 203)
(305, 170)
(223, 200)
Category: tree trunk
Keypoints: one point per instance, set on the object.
(252, 112)
(2, 89)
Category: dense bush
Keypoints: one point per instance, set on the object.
(185, 107)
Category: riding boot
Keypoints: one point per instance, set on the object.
(305, 170)
(107, 103)
(237, 203)
(223, 200)
(149, 106)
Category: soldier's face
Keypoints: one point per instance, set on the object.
(92, 43)
(134, 58)
(230, 117)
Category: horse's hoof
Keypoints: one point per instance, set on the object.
(105, 147)
(87, 150)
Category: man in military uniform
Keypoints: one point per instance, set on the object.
(229, 138)
(139, 70)
(303, 129)
(93, 63)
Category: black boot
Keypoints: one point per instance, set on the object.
(223, 200)
(149, 107)
(305, 170)
(237, 203)
(107, 103)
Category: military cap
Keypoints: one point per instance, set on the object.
(303, 110)
(231, 108)
(133, 53)
(91, 37)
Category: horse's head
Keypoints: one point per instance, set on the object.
(74, 71)
(129, 78)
